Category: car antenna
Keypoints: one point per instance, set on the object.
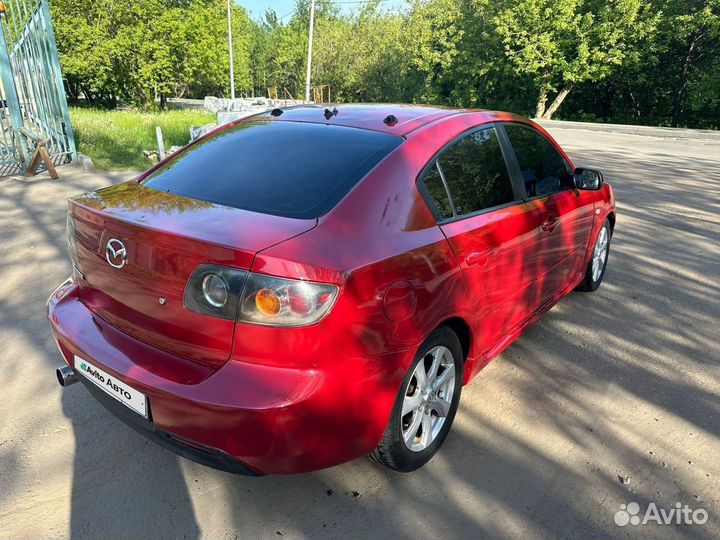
(329, 114)
(390, 120)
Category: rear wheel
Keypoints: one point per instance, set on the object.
(595, 271)
(425, 406)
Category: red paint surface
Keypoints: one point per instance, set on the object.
(288, 400)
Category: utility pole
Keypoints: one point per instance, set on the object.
(230, 47)
(309, 58)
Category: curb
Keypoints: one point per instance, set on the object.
(645, 131)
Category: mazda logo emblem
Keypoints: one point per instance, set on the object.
(115, 253)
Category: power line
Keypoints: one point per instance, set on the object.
(360, 1)
(294, 11)
(339, 2)
(287, 14)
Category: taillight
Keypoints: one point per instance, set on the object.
(284, 302)
(230, 293)
(215, 290)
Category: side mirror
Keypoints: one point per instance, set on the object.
(587, 179)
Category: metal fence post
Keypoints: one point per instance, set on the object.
(55, 66)
(11, 97)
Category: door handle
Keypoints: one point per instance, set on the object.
(480, 258)
(550, 223)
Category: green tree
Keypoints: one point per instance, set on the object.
(143, 51)
(691, 32)
(431, 35)
(562, 43)
(617, 60)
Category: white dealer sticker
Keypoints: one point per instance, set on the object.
(125, 394)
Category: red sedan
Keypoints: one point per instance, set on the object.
(308, 286)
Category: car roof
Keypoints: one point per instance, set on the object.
(396, 119)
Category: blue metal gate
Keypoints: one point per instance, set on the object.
(32, 96)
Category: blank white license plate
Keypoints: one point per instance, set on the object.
(125, 394)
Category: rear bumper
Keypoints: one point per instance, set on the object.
(192, 450)
(243, 417)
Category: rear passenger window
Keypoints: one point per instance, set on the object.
(475, 172)
(436, 194)
(543, 169)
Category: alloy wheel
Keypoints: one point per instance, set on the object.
(600, 254)
(428, 396)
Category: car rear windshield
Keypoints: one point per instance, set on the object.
(289, 169)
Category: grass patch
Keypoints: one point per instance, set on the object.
(115, 140)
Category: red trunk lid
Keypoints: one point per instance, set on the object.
(165, 237)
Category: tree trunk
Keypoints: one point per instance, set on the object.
(88, 95)
(542, 100)
(71, 90)
(682, 80)
(557, 101)
(606, 99)
(636, 106)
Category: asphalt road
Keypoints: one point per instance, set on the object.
(620, 383)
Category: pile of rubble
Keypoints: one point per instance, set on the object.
(226, 110)
(229, 110)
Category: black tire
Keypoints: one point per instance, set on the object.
(589, 284)
(392, 450)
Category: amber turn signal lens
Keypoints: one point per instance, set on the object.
(267, 302)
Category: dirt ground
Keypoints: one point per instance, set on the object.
(612, 398)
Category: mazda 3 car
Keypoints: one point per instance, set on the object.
(308, 286)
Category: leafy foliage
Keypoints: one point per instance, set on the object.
(615, 60)
(561, 43)
(146, 50)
